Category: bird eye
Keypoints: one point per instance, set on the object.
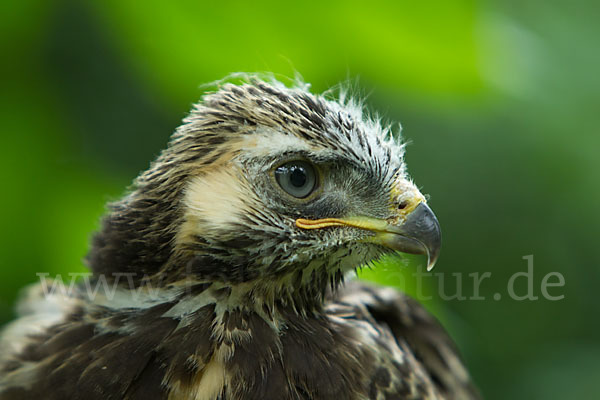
(298, 178)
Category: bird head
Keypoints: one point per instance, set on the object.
(265, 183)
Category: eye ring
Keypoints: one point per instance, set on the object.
(297, 178)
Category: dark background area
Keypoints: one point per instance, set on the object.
(499, 100)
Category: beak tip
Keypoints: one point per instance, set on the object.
(431, 261)
(423, 226)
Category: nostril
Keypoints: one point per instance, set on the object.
(402, 205)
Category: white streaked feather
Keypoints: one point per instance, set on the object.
(37, 311)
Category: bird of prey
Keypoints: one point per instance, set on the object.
(228, 258)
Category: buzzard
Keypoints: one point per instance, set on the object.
(221, 272)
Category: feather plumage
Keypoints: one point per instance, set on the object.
(225, 289)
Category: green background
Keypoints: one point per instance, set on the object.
(499, 99)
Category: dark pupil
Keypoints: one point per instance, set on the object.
(298, 177)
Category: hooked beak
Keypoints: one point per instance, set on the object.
(418, 233)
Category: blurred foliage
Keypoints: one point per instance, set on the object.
(499, 99)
